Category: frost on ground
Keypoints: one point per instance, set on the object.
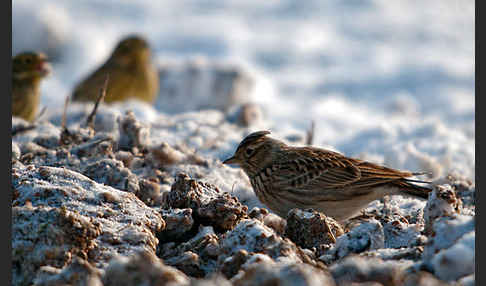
(150, 201)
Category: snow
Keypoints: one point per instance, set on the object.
(392, 81)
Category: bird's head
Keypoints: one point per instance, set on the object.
(255, 152)
(131, 50)
(30, 65)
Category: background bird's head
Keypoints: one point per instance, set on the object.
(30, 65)
(255, 152)
(131, 50)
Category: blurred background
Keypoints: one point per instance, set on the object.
(375, 76)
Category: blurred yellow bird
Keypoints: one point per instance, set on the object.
(28, 69)
(131, 75)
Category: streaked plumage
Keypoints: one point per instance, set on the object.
(131, 75)
(285, 177)
(28, 69)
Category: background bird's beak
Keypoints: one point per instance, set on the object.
(230, 160)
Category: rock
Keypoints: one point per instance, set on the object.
(215, 279)
(35, 154)
(422, 278)
(231, 265)
(282, 274)
(142, 268)
(196, 257)
(366, 236)
(271, 220)
(254, 236)
(101, 145)
(187, 262)
(309, 228)
(79, 272)
(356, 269)
(75, 136)
(413, 253)
(469, 280)
(210, 206)
(132, 132)
(463, 187)
(125, 157)
(112, 173)
(164, 154)
(35, 149)
(442, 202)
(178, 223)
(400, 233)
(150, 193)
(47, 141)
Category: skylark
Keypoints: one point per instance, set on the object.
(285, 177)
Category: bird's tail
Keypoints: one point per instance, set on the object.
(408, 187)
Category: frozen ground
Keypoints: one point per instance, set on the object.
(87, 205)
(391, 82)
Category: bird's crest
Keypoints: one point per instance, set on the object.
(253, 137)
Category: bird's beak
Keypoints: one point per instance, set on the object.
(230, 160)
(44, 68)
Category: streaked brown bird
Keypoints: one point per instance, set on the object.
(131, 75)
(28, 69)
(285, 177)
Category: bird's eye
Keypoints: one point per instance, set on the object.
(28, 60)
(249, 151)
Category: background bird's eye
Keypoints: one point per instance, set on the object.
(249, 151)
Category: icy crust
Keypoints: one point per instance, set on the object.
(254, 236)
(450, 252)
(48, 236)
(151, 201)
(58, 214)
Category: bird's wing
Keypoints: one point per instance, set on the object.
(373, 174)
(88, 89)
(320, 168)
(327, 175)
